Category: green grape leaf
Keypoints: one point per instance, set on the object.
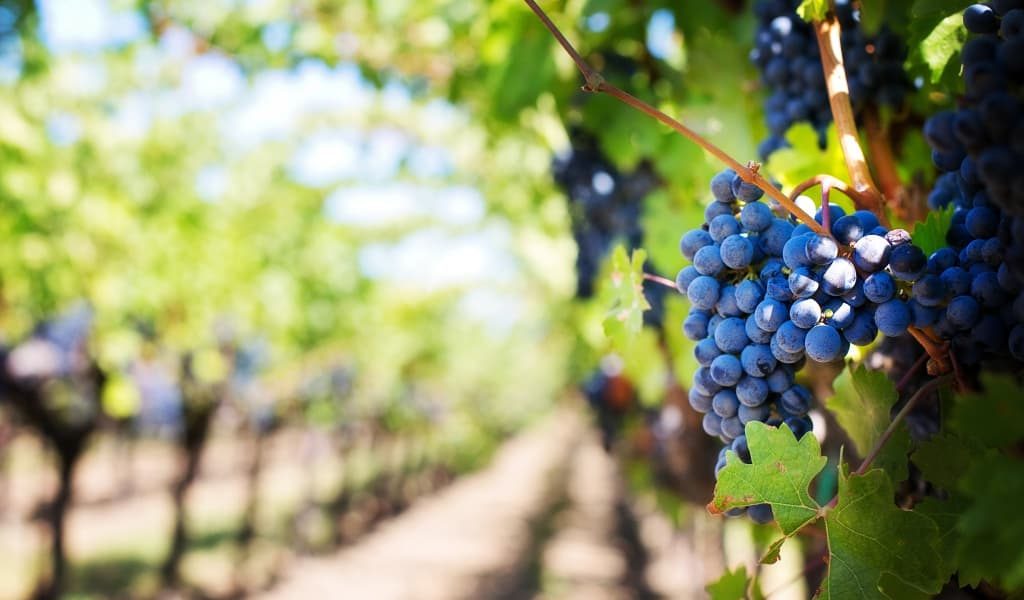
(874, 13)
(990, 535)
(532, 52)
(915, 157)
(940, 46)
(684, 363)
(875, 548)
(946, 514)
(862, 404)
(625, 319)
(813, 10)
(804, 159)
(717, 70)
(663, 223)
(944, 459)
(644, 367)
(994, 417)
(930, 235)
(774, 552)
(780, 473)
(735, 585)
(934, 36)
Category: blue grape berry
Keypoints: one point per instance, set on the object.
(703, 292)
(823, 343)
(892, 318)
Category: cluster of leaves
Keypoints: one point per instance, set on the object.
(875, 548)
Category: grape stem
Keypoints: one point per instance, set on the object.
(923, 391)
(660, 280)
(828, 32)
(938, 351)
(905, 380)
(596, 83)
(826, 214)
(859, 200)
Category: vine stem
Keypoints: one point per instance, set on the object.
(828, 32)
(595, 82)
(923, 391)
(839, 185)
(665, 281)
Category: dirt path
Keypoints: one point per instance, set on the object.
(466, 542)
(588, 555)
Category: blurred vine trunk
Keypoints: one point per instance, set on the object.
(7, 435)
(124, 456)
(69, 444)
(247, 532)
(66, 425)
(199, 407)
(67, 459)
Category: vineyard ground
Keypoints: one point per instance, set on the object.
(550, 517)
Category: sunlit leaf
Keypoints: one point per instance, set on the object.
(780, 474)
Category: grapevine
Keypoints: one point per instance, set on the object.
(769, 291)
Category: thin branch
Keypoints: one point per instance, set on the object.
(859, 200)
(923, 391)
(596, 83)
(594, 79)
(665, 281)
(828, 35)
(905, 380)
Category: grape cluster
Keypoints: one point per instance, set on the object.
(973, 288)
(766, 294)
(605, 208)
(786, 54)
(984, 139)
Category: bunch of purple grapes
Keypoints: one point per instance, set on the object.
(767, 294)
(786, 54)
(605, 208)
(973, 288)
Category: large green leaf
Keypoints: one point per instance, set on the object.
(780, 473)
(945, 458)
(993, 417)
(990, 532)
(877, 550)
(862, 404)
(982, 480)
(946, 515)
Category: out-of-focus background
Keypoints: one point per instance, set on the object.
(293, 303)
